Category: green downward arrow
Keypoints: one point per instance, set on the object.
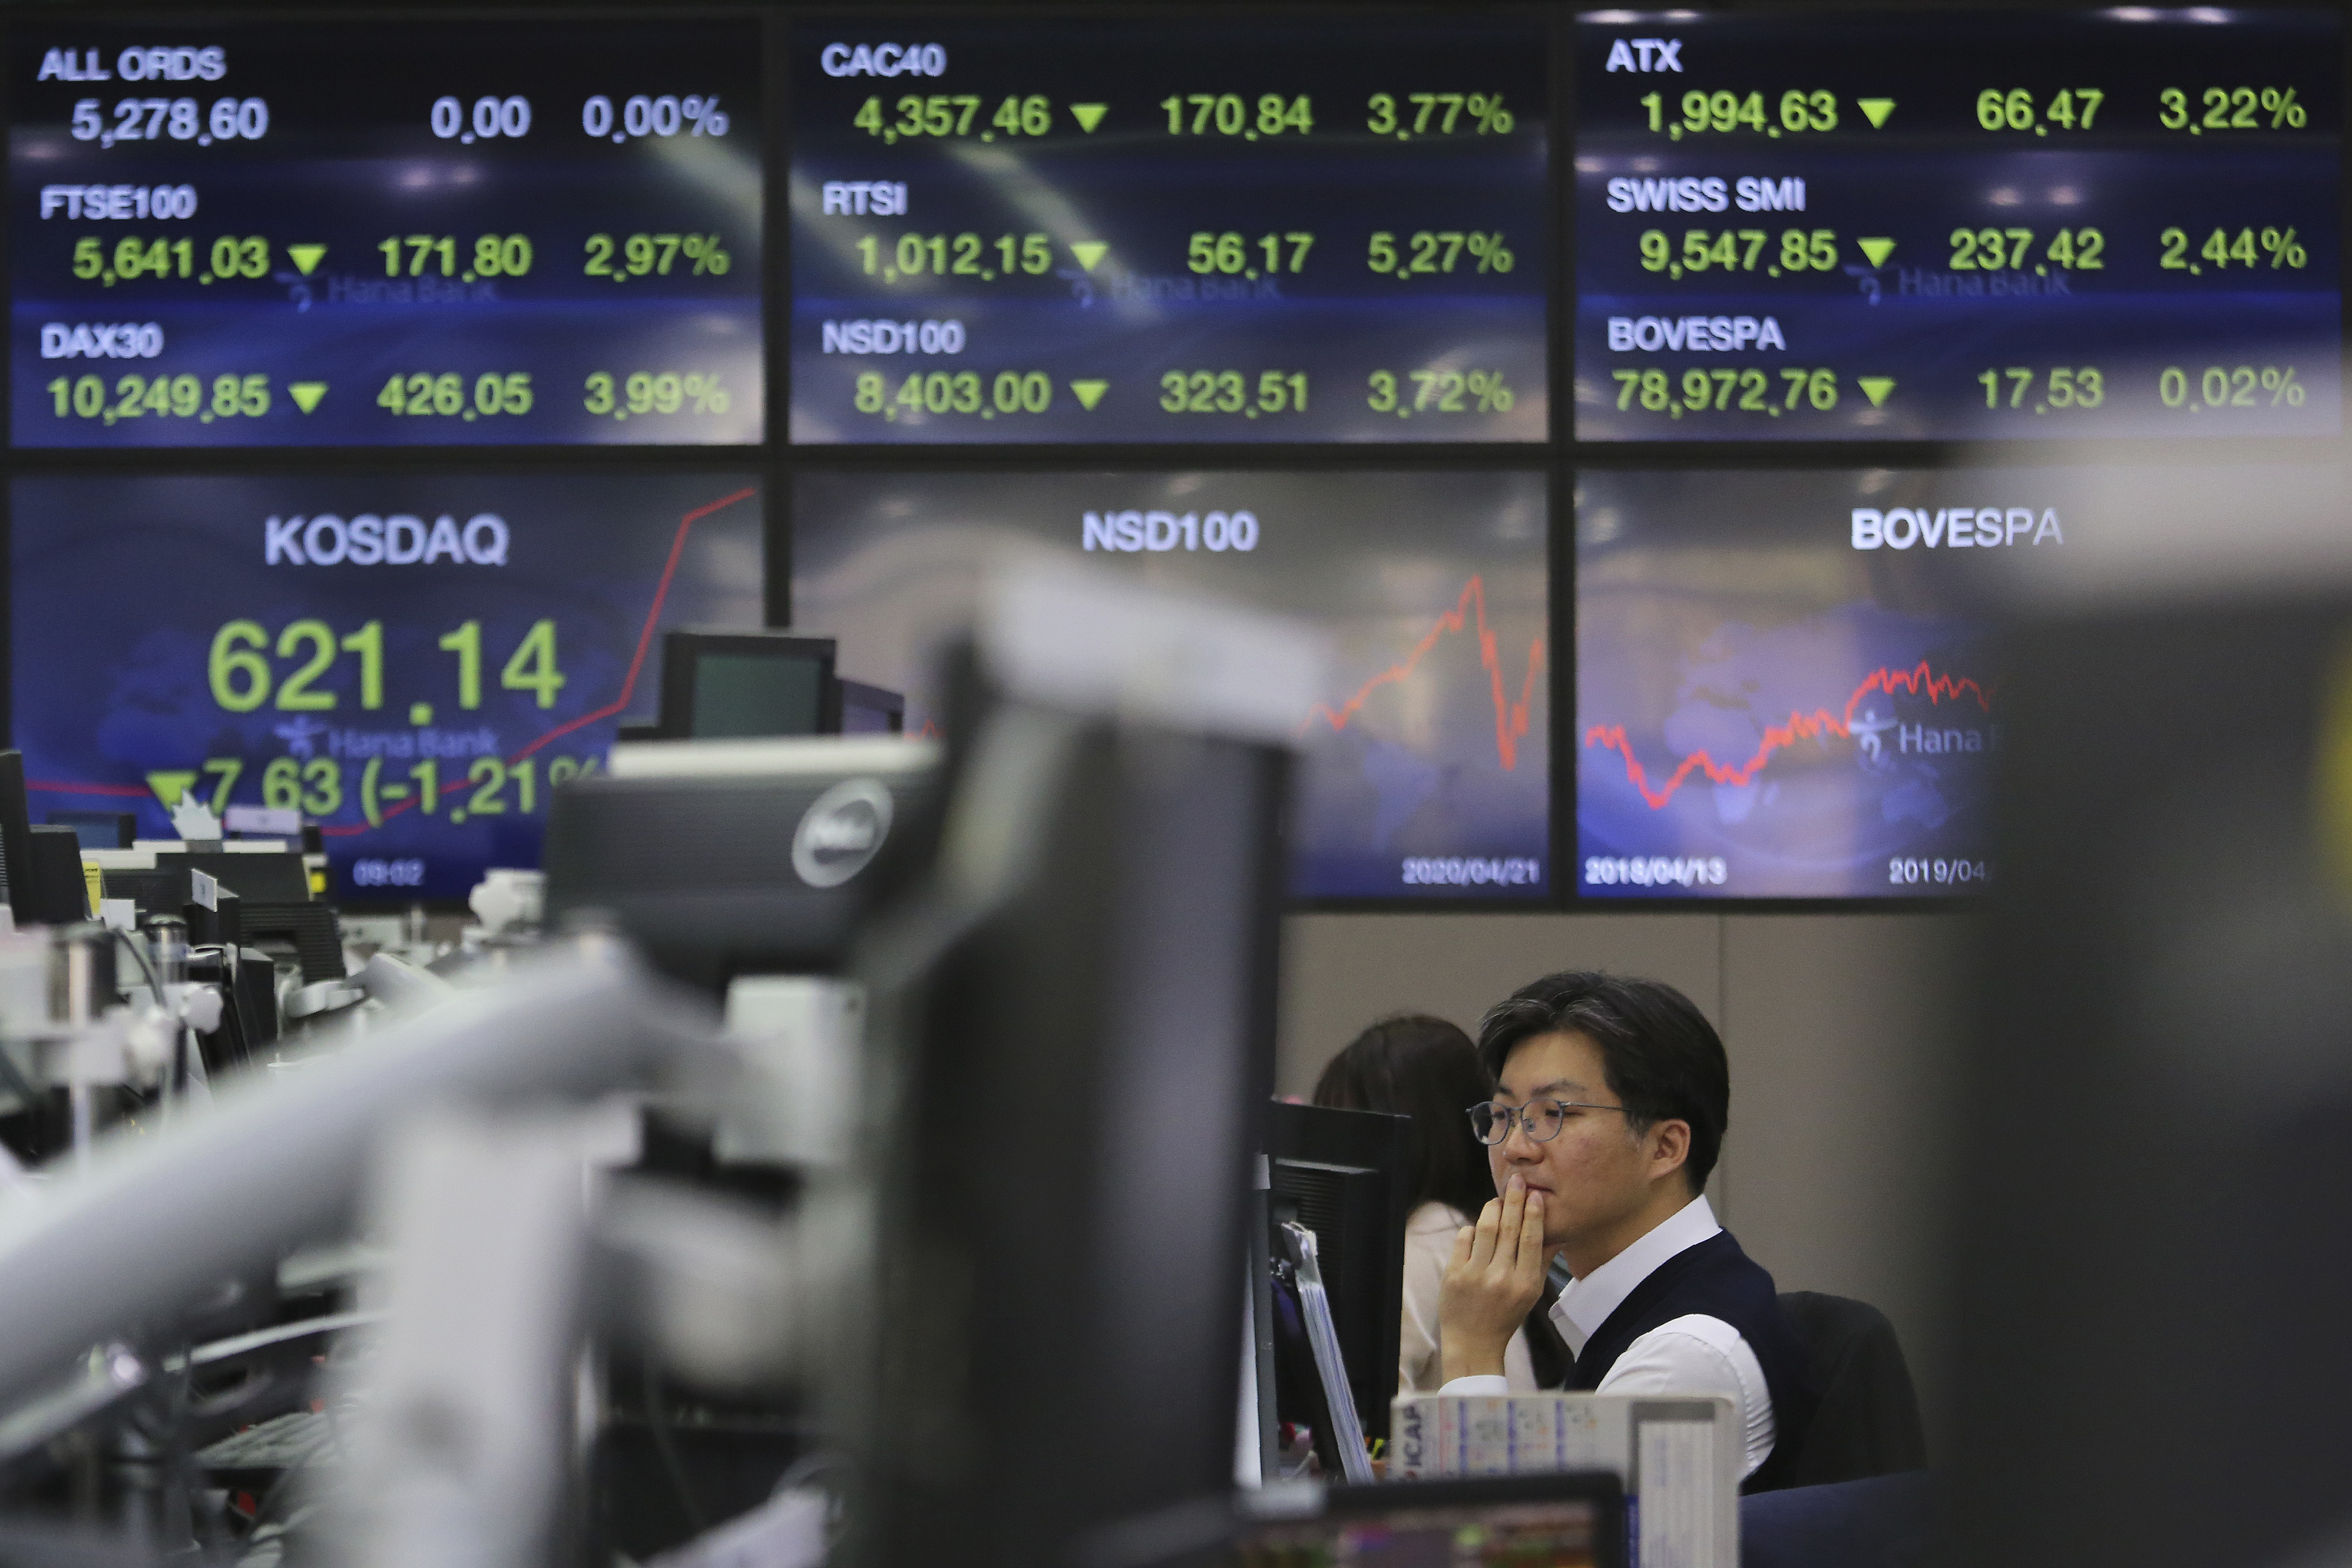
(1878, 250)
(306, 394)
(170, 787)
(1090, 393)
(1877, 109)
(1088, 115)
(1875, 388)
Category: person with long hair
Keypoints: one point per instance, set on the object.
(1425, 1068)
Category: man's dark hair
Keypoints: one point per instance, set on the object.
(1424, 1068)
(1664, 1059)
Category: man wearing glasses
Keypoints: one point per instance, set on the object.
(1610, 1101)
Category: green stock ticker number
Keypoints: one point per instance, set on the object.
(1434, 252)
(2068, 109)
(1739, 250)
(231, 255)
(956, 114)
(317, 785)
(1228, 391)
(425, 393)
(1229, 114)
(243, 679)
(171, 397)
(1229, 253)
(957, 255)
(1727, 392)
(2229, 108)
(1995, 249)
(656, 391)
(1438, 114)
(956, 392)
(1800, 110)
(495, 256)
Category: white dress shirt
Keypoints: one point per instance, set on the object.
(1694, 1356)
(1428, 1248)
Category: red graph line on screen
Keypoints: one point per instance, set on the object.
(1917, 681)
(1510, 717)
(628, 685)
(64, 788)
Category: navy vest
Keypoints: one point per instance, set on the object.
(1716, 1280)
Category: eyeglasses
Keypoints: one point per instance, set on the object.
(1491, 1124)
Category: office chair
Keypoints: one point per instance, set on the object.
(1867, 1423)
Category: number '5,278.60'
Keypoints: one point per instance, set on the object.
(242, 677)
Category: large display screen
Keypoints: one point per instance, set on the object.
(1327, 228)
(421, 232)
(1783, 686)
(1956, 226)
(414, 663)
(1425, 772)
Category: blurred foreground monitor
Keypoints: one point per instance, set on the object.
(2155, 1121)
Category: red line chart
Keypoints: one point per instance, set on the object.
(64, 788)
(1510, 717)
(619, 705)
(1919, 681)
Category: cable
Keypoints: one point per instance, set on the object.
(666, 1443)
(139, 952)
(180, 1044)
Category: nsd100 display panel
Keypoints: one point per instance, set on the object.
(1424, 770)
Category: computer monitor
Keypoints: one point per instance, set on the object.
(1074, 1040)
(17, 875)
(1575, 1520)
(58, 894)
(1347, 1176)
(728, 857)
(97, 830)
(870, 710)
(727, 685)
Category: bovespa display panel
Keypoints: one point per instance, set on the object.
(415, 663)
(1783, 687)
(1323, 229)
(1424, 774)
(1958, 227)
(304, 232)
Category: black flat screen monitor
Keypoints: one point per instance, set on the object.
(871, 710)
(1347, 1176)
(97, 830)
(722, 858)
(737, 685)
(1074, 1032)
